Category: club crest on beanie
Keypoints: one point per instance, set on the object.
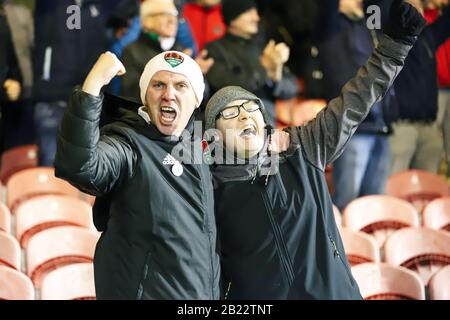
(176, 62)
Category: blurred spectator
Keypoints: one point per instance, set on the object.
(241, 60)
(446, 131)
(443, 61)
(184, 34)
(206, 21)
(159, 22)
(125, 25)
(345, 45)
(16, 40)
(417, 139)
(297, 23)
(64, 52)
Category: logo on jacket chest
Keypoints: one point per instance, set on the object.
(176, 167)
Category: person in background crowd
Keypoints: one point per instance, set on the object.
(347, 43)
(416, 142)
(434, 9)
(241, 60)
(66, 44)
(206, 21)
(125, 25)
(159, 20)
(16, 75)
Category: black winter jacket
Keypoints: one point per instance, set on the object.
(417, 86)
(160, 237)
(63, 56)
(278, 237)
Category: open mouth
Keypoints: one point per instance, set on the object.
(168, 115)
(248, 131)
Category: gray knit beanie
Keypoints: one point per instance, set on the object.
(223, 97)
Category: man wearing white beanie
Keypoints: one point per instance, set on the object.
(155, 212)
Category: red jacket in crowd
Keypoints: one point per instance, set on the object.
(206, 23)
(443, 54)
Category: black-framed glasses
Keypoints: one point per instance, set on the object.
(234, 111)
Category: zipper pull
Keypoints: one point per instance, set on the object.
(267, 178)
(255, 171)
(336, 251)
(228, 290)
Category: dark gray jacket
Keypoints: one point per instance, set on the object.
(160, 237)
(278, 236)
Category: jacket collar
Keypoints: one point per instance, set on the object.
(248, 169)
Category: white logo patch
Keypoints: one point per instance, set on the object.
(177, 168)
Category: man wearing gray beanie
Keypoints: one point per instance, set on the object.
(278, 236)
(155, 210)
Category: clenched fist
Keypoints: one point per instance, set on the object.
(12, 88)
(107, 67)
(280, 141)
(405, 22)
(273, 58)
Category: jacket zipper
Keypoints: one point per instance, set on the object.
(281, 245)
(228, 291)
(337, 255)
(211, 251)
(282, 189)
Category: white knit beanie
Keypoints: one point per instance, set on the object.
(176, 62)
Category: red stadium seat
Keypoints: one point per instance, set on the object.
(9, 251)
(379, 215)
(296, 111)
(17, 159)
(5, 218)
(359, 247)
(57, 247)
(386, 282)
(43, 212)
(439, 285)
(71, 282)
(436, 214)
(417, 186)
(422, 250)
(33, 182)
(14, 285)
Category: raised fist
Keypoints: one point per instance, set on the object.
(13, 89)
(405, 22)
(273, 58)
(107, 67)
